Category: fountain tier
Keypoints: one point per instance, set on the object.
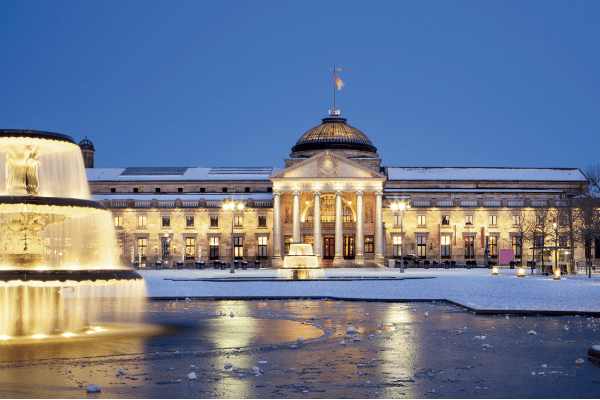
(301, 263)
(58, 273)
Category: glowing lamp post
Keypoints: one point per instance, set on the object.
(521, 273)
(401, 207)
(232, 206)
(557, 275)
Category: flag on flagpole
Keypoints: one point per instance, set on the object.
(338, 82)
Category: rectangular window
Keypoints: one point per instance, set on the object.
(468, 220)
(562, 240)
(202, 190)
(224, 190)
(262, 221)
(189, 221)
(113, 190)
(247, 189)
(287, 240)
(179, 190)
(445, 220)
(238, 221)
(214, 248)
(397, 220)
(421, 220)
(269, 190)
(190, 248)
(397, 243)
(492, 220)
(135, 190)
(118, 221)
(214, 222)
(142, 246)
(262, 247)
(469, 247)
(422, 246)
(141, 221)
(308, 239)
(238, 247)
(445, 246)
(517, 246)
(369, 244)
(166, 222)
(596, 248)
(494, 246)
(516, 220)
(157, 190)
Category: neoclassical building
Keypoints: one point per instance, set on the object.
(333, 193)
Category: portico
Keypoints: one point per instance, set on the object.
(348, 197)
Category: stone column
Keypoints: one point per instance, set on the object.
(277, 261)
(339, 230)
(296, 218)
(379, 252)
(317, 242)
(360, 231)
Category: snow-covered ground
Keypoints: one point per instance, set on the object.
(475, 288)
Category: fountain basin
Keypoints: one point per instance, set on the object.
(301, 263)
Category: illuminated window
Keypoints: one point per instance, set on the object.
(445, 220)
(369, 244)
(238, 247)
(189, 221)
(422, 246)
(238, 221)
(328, 211)
(421, 220)
(468, 220)
(118, 221)
(141, 221)
(308, 239)
(470, 247)
(492, 220)
(142, 246)
(397, 243)
(262, 247)
(494, 246)
(214, 222)
(445, 246)
(262, 221)
(517, 246)
(166, 222)
(214, 248)
(190, 248)
(516, 220)
(287, 240)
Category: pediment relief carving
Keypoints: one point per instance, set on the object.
(327, 165)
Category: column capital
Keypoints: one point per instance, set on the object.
(339, 192)
(359, 192)
(277, 192)
(379, 192)
(316, 192)
(296, 192)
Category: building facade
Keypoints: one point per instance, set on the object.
(369, 213)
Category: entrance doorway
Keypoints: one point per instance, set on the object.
(349, 243)
(166, 249)
(328, 247)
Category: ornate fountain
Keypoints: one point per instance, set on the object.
(58, 269)
(301, 263)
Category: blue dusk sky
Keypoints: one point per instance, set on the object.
(237, 83)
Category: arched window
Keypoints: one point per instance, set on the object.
(328, 211)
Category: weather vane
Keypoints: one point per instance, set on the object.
(336, 82)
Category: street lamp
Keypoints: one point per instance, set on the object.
(232, 206)
(401, 207)
(487, 248)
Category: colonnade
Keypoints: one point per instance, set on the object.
(339, 231)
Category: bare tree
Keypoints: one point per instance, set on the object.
(537, 230)
(592, 172)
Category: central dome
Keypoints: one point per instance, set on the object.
(333, 134)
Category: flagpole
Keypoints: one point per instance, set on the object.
(334, 89)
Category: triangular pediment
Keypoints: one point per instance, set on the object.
(327, 165)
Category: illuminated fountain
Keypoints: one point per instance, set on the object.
(58, 271)
(300, 263)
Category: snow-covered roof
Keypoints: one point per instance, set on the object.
(181, 196)
(479, 190)
(181, 174)
(485, 174)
